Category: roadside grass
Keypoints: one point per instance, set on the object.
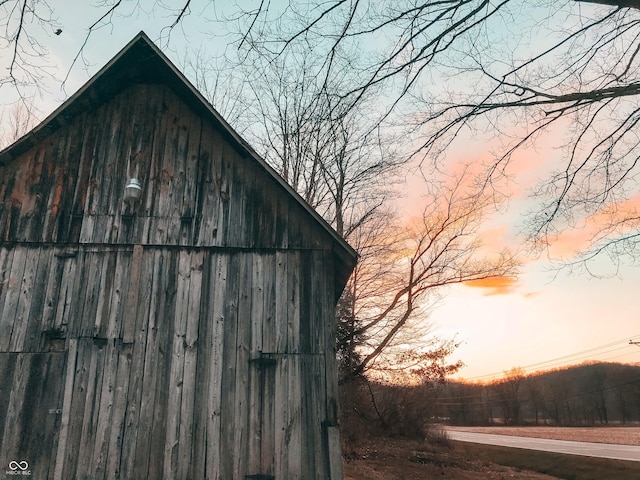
(567, 467)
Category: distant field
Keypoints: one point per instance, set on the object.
(614, 435)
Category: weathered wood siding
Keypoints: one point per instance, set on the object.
(197, 189)
(211, 364)
(190, 337)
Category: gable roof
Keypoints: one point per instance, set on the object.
(141, 61)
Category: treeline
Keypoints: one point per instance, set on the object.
(585, 395)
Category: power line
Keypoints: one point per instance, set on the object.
(563, 360)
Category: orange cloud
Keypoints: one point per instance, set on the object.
(611, 221)
(494, 285)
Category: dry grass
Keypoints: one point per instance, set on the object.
(380, 458)
(396, 459)
(614, 435)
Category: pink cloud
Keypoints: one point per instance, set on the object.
(611, 221)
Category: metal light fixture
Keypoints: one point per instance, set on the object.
(133, 190)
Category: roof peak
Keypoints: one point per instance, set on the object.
(141, 61)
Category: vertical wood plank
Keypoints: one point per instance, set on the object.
(117, 427)
(118, 298)
(248, 235)
(11, 298)
(45, 400)
(266, 211)
(115, 162)
(294, 419)
(36, 323)
(6, 258)
(215, 343)
(178, 157)
(30, 398)
(203, 372)
(67, 293)
(89, 421)
(167, 302)
(58, 203)
(13, 423)
(169, 177)
(204, 211)
(138, 354)
(104, 151)
(281, 418)
(191, 347)
(25, 296)
(65, 420)
(89, 292)
(151, 371)
(282, 304)
(257, 370)
(269, 327)
(335, 453)
(53, 281)
(282, 221)
(306, 304)
(236, 227)
(100, 454)
(243, 346)
(90, 132)
(177, 367)
(150, 204)
(226, 192)
(293, 302)
(74, 447)
(78, 285)
(131, 306)
(7, 369)
(229, 423)
(192, 184)
(105, 294)
(219, 190)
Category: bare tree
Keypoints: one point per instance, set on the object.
(441, 248)
(28, 26)
(15, 121)
(330, 153)
(509, 395)
(23, 52)
(516, 71)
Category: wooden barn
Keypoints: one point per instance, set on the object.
(179, 328)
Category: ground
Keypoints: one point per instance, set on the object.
(395, 459)
(379, 458)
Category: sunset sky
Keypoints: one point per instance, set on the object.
(543, 319)
(547, 317)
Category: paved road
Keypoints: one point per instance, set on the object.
(603, 450)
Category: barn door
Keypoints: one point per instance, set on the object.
(292, 434)
(31, 386)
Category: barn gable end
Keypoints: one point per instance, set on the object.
(189, 334)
